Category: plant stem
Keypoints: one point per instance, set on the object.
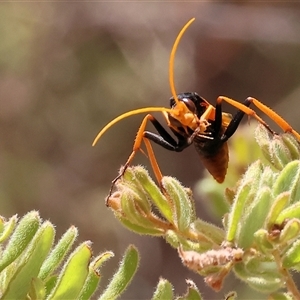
(289, 282)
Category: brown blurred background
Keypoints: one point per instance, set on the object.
(66, 69)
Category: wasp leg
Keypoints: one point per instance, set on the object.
(153, 161)
(165, 140)
(159, 140)
(136, 146)
(285, 126)
(244, 109)
(162, 133)
(234, 123)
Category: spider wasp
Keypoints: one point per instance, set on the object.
(193, 120)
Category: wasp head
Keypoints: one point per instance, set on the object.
(193, 102)
(187, 111)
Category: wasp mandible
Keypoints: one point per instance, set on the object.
(193, 120)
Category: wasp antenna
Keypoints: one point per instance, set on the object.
(172, 58)
(128, 114)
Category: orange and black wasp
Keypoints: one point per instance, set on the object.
(193, 120)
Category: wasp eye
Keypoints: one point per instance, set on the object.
(172, 102)
(190, 105)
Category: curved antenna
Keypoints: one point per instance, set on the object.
(172, 58)
(151, 109)
(128, 114)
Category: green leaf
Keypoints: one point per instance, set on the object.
(164, 290)
(277, 206)
(176, 239)
(90, 285)
(93, 278)
(154, 193)
(267, 178)
(192, 292)
(237, 209)
(212, 232)
(20, 239)
(254, 175)
(262, 137)
(290, 231)
(130, 181)
(292, 211)
(50, 283)
(183, 208)
(58, 253)
(258, 211)
(280, 154)
(280, 296)
(30, 263)
(259, 265)
(133, 212)
(261, 239)
(101, 259)
(231, 296)
(140, 229)
(288, 180)
(74, 274)
(291, 257)
(37, 289)
(123, 276)
(265, 282)
(292, 145)
(7, 227)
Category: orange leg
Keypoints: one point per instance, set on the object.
(136, 147)
(153, 161)
(285, 126)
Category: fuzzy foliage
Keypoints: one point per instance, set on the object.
(260, 238)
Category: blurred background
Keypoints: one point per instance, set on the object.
(66, 69)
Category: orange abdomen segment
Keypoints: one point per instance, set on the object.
(217, 163)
